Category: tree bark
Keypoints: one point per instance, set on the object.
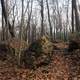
(42, 18)
(5, 17)
(76, 20)
(76, 17)
(51, 33)
(3, 28)
(27, 37)
(72, 16)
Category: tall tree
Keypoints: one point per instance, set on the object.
(59, 20)
(3, 28)
(75, 16)
(27, 37)
(42, 17)
(6, 18)
(72, 16)
(67, 21)
(22, 20)
(20, 33)
(51, 32)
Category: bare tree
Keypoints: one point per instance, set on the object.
(6, 18)
(42, 17)
(76, 15)
(51, 32)
(22, 20)
(67, 21)
(3, 28)
(72, 16)
(58, 20)
(14, 15)
(27, 37)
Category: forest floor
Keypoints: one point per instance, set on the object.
(63, 66)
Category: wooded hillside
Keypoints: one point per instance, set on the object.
(40, 40)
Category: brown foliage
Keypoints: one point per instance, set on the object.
(61, 67)
(16, 43)
(38, 53)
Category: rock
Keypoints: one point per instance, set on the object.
(74, 42)
(73, 45)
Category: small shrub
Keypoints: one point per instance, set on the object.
(39, 52)
(17, 46)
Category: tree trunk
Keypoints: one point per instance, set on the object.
(27, 36)
(6, 18)
(42, 18)
(75, 13)
(72, 16)
(76, 17)
(3, 28)
(22, 20)
(51, 33)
